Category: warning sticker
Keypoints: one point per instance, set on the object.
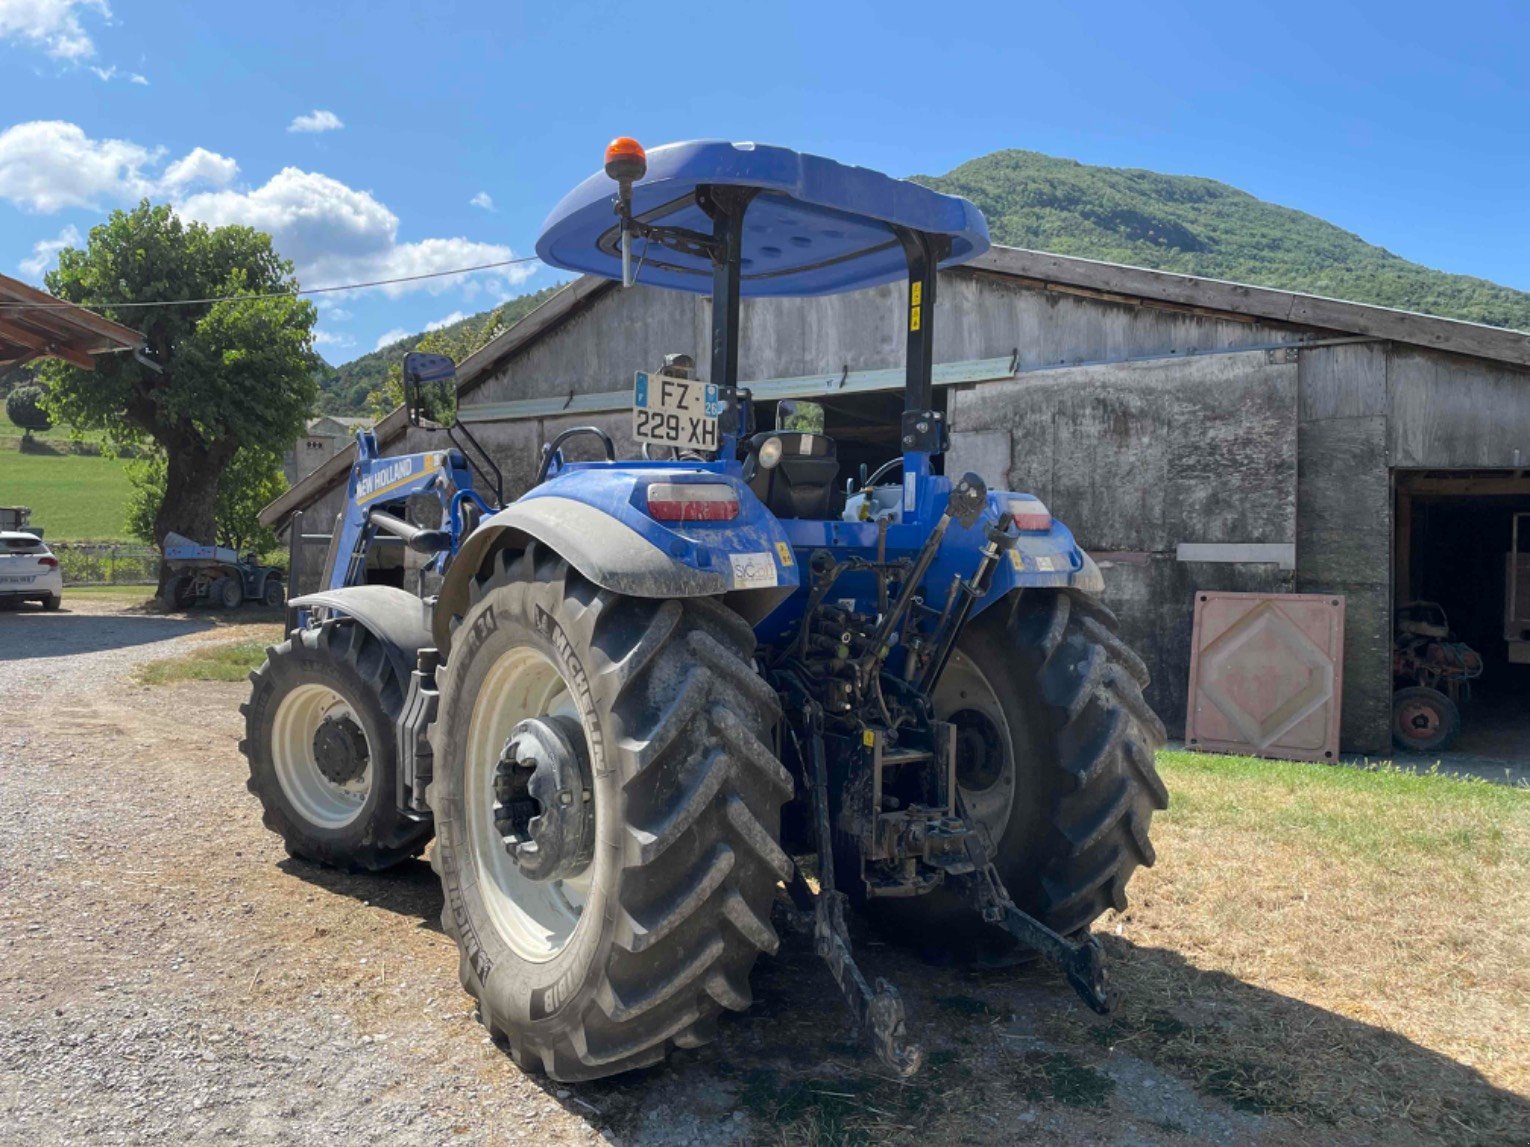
(786, 553)
(753, 571)
(1042, 563)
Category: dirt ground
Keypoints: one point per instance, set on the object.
(168, 973)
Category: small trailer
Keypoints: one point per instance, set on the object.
(217, 576)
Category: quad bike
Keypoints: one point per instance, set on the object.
(1431, 674)
(217, 576)
(630, 699)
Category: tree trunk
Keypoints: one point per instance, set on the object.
(192, 473)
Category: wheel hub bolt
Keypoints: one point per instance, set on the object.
(340, 750)
(543, 799)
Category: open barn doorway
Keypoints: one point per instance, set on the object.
(1455, 531)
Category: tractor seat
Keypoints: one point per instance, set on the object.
(801, 483)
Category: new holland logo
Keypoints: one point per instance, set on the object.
(394, 474)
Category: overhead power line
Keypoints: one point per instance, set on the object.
(274, 294)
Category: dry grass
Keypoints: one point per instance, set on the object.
(1338, 954)
(1347, 947)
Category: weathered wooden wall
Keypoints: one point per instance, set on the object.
(979, 315)
(1138, 457)
(1344, 523)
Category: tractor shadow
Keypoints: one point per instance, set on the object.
(34, 633)
(410, 889)
(1012, 1052)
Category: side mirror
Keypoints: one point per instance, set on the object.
(429, 396)
(795, 414)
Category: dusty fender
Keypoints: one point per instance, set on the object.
(597, 520)
(397, 617)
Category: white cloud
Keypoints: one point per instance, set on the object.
(199, 167)
(106, 75)
(483, 199)
(454, 317)
(334, 340)
(45, 250)
(48, 165)
(316, 120)
(336, 234)
(52, 25)
(388, 338)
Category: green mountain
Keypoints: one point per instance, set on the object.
(1121, 215)
(345, 389)
(1202, 227)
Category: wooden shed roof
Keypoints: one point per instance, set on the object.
(1039, 269)
(34, 324)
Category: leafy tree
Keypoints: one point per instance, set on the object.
(24, 406)
(228, 376)
(363, 384)
(22, 374)
(252, 480)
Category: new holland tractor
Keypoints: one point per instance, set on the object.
(654, 706)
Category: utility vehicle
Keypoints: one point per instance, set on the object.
(653, 699)
(217, 576)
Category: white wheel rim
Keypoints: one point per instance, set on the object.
(316, 798)
(535, 918)
(962, 686)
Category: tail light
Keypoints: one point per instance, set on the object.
(692, 502)
(1031, 516)
(49, 562)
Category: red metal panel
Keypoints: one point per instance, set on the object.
(1267, 674)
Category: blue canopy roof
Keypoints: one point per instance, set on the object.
(815, 228)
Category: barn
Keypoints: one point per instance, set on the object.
(1195, 435)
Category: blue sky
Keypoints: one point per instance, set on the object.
(362, 134)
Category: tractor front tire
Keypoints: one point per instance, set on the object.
(332, 795)
(641, 948)
(1069, 799)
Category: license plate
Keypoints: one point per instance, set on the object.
(18, 580)
(678, 412)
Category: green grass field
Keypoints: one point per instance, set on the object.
(73, 496)
(60, 434)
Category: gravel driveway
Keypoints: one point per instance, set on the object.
(168, 974)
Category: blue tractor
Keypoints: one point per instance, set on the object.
(655, 705)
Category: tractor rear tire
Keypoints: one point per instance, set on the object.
(336, 673)
(1071, 804)
(643, 947)
(273, 595)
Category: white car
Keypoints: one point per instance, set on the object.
(28, 571)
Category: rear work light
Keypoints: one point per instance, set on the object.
(49, 562)
(1031, 516)
(692, 502)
